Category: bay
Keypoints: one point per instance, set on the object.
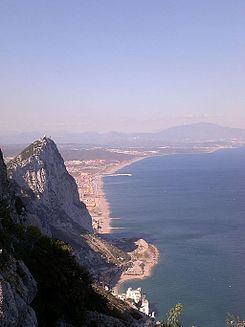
(192, 207)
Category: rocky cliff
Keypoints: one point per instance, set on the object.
(47, 190)
(17, 286)
(17, 290)
(51, 201)
(61, 292)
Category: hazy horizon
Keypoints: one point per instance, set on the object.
(64, 132)
(126, 66)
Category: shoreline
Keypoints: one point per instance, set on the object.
(137, 267)
(146, 256)
(142, 264)
(101, 201)
(98, 204)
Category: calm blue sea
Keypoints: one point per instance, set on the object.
(192, 207)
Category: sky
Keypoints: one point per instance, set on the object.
(123, 65)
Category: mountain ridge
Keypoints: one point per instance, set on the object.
(197, 132)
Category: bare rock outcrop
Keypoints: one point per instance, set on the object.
(49, 192)
(17, 290)
(52, 203)
(41, 192)
(17, 286)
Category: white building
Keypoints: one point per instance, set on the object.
(135, 295)
(138, 300)
(145, 306)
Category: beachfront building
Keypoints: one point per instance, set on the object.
(134, 295)
(144, 306)
(137, 299)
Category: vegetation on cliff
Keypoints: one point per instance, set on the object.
(65, 290)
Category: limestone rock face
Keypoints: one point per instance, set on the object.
(51, 200)
(17, 286)
(40, 191)
(17, 290)
(51, 193)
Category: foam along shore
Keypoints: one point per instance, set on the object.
(143, 260)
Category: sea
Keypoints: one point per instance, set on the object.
(192, 207)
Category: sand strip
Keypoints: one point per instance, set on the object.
(101, 202)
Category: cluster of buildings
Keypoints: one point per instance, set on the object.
(138, 300)
(84, 180)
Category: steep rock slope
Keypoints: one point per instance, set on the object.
(19, 290)
(51, 200)
(48, 191)
(17, 286)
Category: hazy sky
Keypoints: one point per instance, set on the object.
(126, 65)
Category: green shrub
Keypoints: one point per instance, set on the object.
(65, 290)
(62, 284)
(173, 316)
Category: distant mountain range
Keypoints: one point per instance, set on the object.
(194, 133)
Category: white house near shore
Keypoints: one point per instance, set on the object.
(138, 300)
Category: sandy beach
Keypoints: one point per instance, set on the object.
(145, 256)
(101, 202)
(143, 259)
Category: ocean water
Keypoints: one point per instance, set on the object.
(192, 207)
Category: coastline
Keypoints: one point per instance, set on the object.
(143, 260)
(142, 255)
(101, 201)
(152, 254)
(145, 256)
